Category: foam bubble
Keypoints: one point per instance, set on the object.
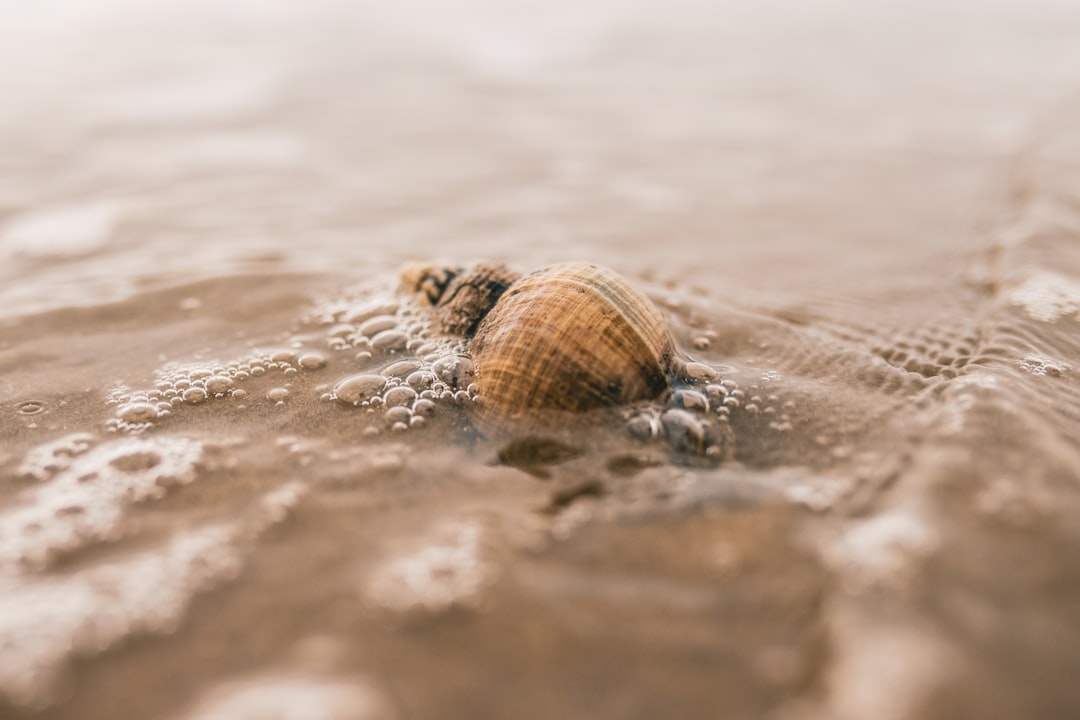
(30, 407)
(355, 389)
(390, 341)
(1047, 297)
(447, 571)
(454, 370)
(277, 394)
(312, 361)
(401, 395)
(378, 324)
(194, 395)
(138, 412)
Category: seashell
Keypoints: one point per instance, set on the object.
(565, 339)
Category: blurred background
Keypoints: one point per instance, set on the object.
(777, 146)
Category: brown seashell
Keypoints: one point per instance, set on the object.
(565, 339)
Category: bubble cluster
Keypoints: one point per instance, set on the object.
(372, 352)
(177, 386)
(697, 417)
(407, 393)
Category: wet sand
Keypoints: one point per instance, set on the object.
(865, 220)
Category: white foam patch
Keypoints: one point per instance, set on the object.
(85, 502)
(1043, 366)
(448, 571)
(60, 232)
(963, 399)
(1047, 297)
(43, 461)
(884, 551)
(47, 620)
(282, 696)
(883, 672)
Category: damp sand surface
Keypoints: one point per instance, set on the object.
(238, 472)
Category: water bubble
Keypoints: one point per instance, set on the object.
(702, 343)
(341, 330)
(239, 394)
(417, 422)
(454, 370)
(390, 341)
(277, 394)
(357, 388)
(363, 356)
(194, 396)
(361, 313)
(402, 368)
(312, 361)
(30, 407)
(401, 395)
(399, 427)
(424, 407)
(282, 356)
(398, 415)
(700, 371)
(378, 324)
(138, 412)
(218, 384)
(420, 380)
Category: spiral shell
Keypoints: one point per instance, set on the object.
(565, 339)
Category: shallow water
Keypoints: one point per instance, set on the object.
(866, 220)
